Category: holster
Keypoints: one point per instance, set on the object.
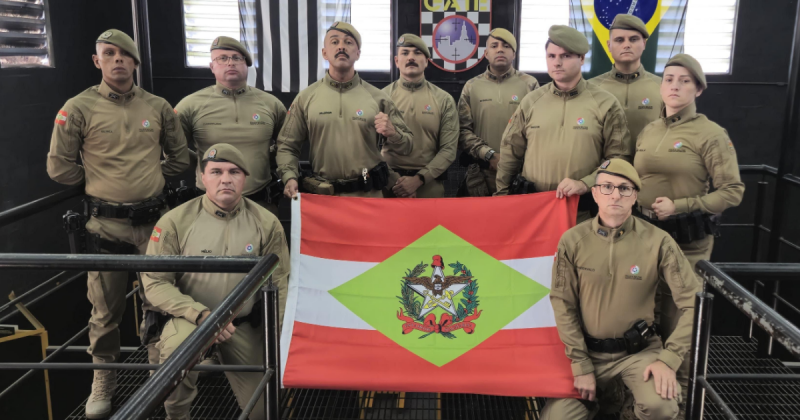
(154, 323)
(182, 194)
(520, 185)
(271, 193)
(687, 227)
(75, 225)
(474, 183)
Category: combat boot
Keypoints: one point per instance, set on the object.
(103, 387)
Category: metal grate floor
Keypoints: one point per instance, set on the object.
(750, 400)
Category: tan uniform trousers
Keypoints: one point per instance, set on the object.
(363, 194)
(107, 289)
(245, 347)
(433, 189)
(630, 368)
(694, 252)
(491, 180)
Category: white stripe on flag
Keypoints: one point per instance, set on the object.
(286, 52)
(291, 299)
(317, 276)
(266, 36)
(302, 40)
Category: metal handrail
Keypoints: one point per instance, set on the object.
(110, 262)
(36, 206)
(764, 271)
(157, 388)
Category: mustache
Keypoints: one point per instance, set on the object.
(341, 53)
(412, 64)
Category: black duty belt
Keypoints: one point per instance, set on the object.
(138, 213)
(374, 179)
(413, 172)
(685, 227)
(607, 345)
(254, 318)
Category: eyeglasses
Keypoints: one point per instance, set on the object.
(608, 189)
(223, 59)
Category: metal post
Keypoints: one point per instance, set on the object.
(270, 300)
(761, 193)
(392, 45)
(141, 35)
(701, 337)
(788, 140)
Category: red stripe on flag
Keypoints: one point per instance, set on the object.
(372, 230)
(532, 363)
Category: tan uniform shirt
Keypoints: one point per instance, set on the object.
(557, 135)
(638, 93)
(200, 228)
(338, 120)
(486, 104)
(676, 156)
(431, 115)
(120, 138)
(605, 279)
(246, 118)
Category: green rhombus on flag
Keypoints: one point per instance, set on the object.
(489, 293)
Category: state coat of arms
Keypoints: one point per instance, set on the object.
(456, 31)
(439, 291)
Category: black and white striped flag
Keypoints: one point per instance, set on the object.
(292, 34)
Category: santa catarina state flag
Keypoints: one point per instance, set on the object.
(433, 295)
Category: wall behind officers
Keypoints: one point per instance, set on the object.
(219, 223)
(484, 108)
(346, 122)
(120, 132)
(431, 115)
(678, 156)
(563, 130)
(605, 277)
(237, 114)
(636, 89)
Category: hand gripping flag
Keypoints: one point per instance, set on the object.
(434, 295)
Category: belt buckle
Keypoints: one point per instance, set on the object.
(365, 174)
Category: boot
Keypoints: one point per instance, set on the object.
(99, 404)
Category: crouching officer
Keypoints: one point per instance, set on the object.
(431, 114)
(605, 278)
(346, 122)
(237, 114)
(121, 133)
(219, 223)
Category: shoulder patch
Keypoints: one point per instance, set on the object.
(61, 117)
(156, 235)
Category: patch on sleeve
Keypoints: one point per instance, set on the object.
(175, 110)
(156, 235)
(61, 118)
(730, 146)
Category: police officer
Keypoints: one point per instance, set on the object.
(223, 223)
(636, 89)
(604, 282)
(562, 131)
(677, 156)
(431, 115)
(486, 103)
(346, 121)
(238, 114)
(120, 133)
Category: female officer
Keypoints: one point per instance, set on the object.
(676, 157)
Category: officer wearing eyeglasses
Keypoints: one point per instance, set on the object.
(234, 113)
(605, 277)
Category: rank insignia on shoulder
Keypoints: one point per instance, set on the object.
(605, 164)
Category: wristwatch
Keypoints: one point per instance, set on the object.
(421, 178)
(488, 156)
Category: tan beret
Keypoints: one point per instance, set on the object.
(689, 62)
(224, 152)
(413, 41)
(620, 167)
(569, 39)
(630, 22)
(228, 43)
(505, 36)
(348, 29)
(122, 40)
